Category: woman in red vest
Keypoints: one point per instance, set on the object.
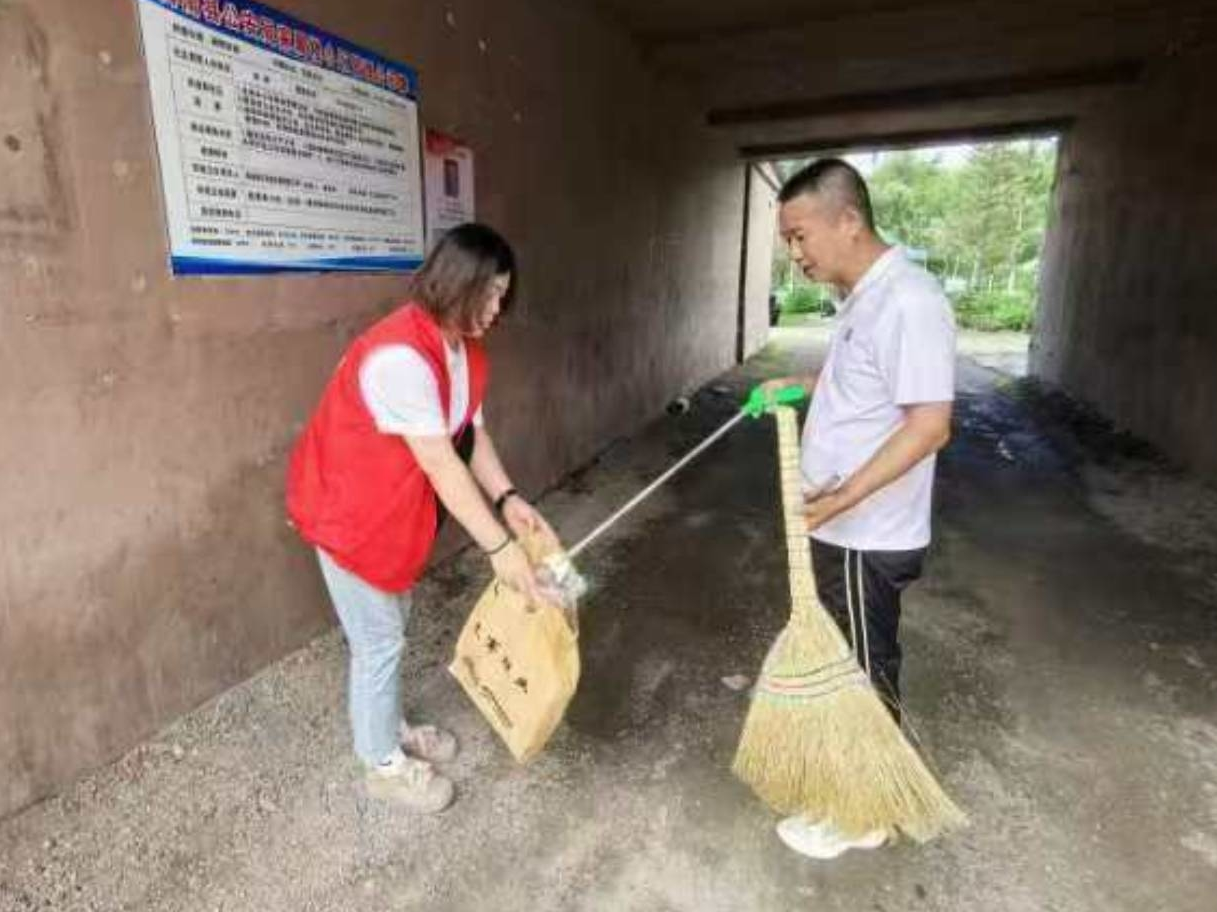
(366, 474)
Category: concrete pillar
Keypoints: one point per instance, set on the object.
(760, 231)
(1128, 310)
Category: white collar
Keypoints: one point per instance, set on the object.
(877, 270)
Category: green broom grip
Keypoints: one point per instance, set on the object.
(760, 401)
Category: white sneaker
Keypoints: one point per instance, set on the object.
(410, 782)
(822, 840)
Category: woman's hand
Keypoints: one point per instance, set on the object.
(524, 519)
(512, 568)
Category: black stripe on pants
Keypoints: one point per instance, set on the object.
(861, 590)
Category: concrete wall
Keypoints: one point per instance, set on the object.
(144, 561)
(758, 268)
(1128, 313)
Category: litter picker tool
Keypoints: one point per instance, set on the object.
(561, 569)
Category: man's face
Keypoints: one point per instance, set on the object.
(818, 235)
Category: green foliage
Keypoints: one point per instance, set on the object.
(995, 310)
(803, 297)
(913, 198)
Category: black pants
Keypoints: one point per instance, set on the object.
(861, 590)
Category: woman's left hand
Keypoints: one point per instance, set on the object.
(524, 520)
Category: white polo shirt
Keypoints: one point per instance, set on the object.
(893, 346)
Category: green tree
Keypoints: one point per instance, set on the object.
(998, 223)
(911, 196)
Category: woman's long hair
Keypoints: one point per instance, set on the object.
(454, 280)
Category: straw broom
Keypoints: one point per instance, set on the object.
(818, 740)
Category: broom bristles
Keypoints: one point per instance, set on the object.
(830, 750)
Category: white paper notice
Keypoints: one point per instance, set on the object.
(449, 174)
(281, 147)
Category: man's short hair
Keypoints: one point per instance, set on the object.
(835, 180)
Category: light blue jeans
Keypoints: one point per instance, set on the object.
(374, 622)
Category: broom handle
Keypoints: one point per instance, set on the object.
(803, 598)
(653, 486)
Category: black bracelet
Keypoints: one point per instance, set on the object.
(506, 541)
(502, 499)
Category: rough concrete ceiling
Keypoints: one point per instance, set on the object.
(658, 21)
(875, 66)
(667, 22)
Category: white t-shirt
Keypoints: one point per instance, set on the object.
(894, 345)
(402, 394)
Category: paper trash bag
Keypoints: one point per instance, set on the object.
(519, 663)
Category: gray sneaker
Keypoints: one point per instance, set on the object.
(412, 783)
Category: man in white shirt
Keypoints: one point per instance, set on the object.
(880, 411)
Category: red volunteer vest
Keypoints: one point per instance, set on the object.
(357, 493)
